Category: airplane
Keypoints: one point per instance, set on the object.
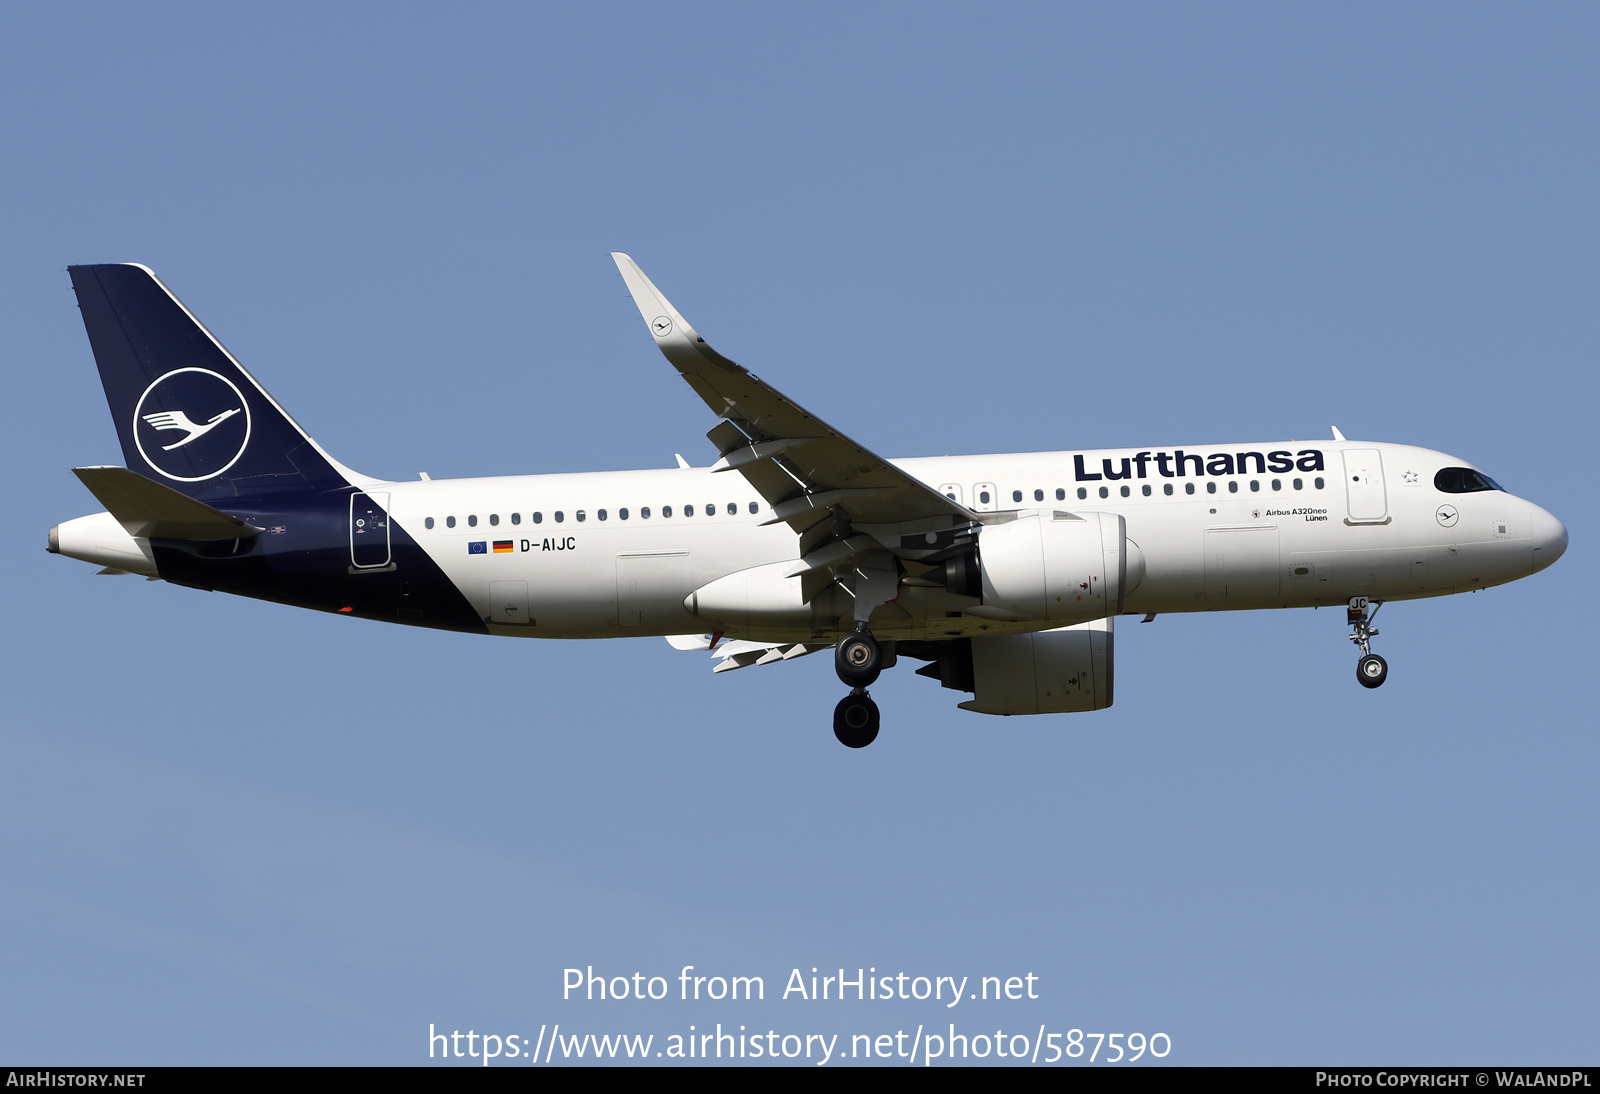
(1003, 573)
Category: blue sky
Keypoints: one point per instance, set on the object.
(232, 832)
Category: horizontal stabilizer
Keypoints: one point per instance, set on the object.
(148, 509)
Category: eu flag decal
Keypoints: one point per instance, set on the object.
(477, 547)
(502, 546)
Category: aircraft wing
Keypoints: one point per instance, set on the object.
(815, 478)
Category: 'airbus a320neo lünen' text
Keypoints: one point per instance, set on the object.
(1003, 573)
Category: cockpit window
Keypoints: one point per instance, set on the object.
(1463, 480)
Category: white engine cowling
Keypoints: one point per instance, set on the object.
(1047, 672)
(1057, 566)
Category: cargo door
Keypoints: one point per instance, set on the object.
(651, 588)
(508, 602)
(1242, 563)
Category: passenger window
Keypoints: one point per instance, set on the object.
(622, 514)
(472, 521)
(754, 509)
(1211, 488)
(494, 520)
(1188, 488)
(1016, 495)
(516, 518)
(644, 512)
(1277, 484)
(1166, 488)
(1147, 490)
(582, 516)
(1104, 493)
(428, 523)
(1125, 491)
(711, 510)
(688, 510)
(1255, 486)
(538, 518)
(983, 497)
(601, 514)
(733, 508)
(449, 522)
(1083, 492)
(1061, 495)
(1233, 486)
(560, 516)
(1317, 483)
(666, 511)
(1299, 483)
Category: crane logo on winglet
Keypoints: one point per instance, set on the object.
(206, 409)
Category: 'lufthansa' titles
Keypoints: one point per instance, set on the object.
(1179, 464)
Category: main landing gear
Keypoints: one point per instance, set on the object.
(858, 660)
(1371, 670)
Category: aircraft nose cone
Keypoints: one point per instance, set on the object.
(1549, 538)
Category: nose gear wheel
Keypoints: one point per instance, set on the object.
(1371, 670)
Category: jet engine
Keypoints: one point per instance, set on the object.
(1058, 567)
(1047, 672)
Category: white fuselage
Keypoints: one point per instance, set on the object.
(1366, 520)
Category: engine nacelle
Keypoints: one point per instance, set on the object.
(1046, 672)
(1059, 567)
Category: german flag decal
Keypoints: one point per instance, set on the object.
(502, 546)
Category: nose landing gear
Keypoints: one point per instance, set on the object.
(858, 660)
(1371, 670)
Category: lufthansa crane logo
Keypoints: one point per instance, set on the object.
(191, 424)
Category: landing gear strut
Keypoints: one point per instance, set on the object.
(1371, 670)
(858, 660)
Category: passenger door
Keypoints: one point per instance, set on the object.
(369, 531)
(1367, 499)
